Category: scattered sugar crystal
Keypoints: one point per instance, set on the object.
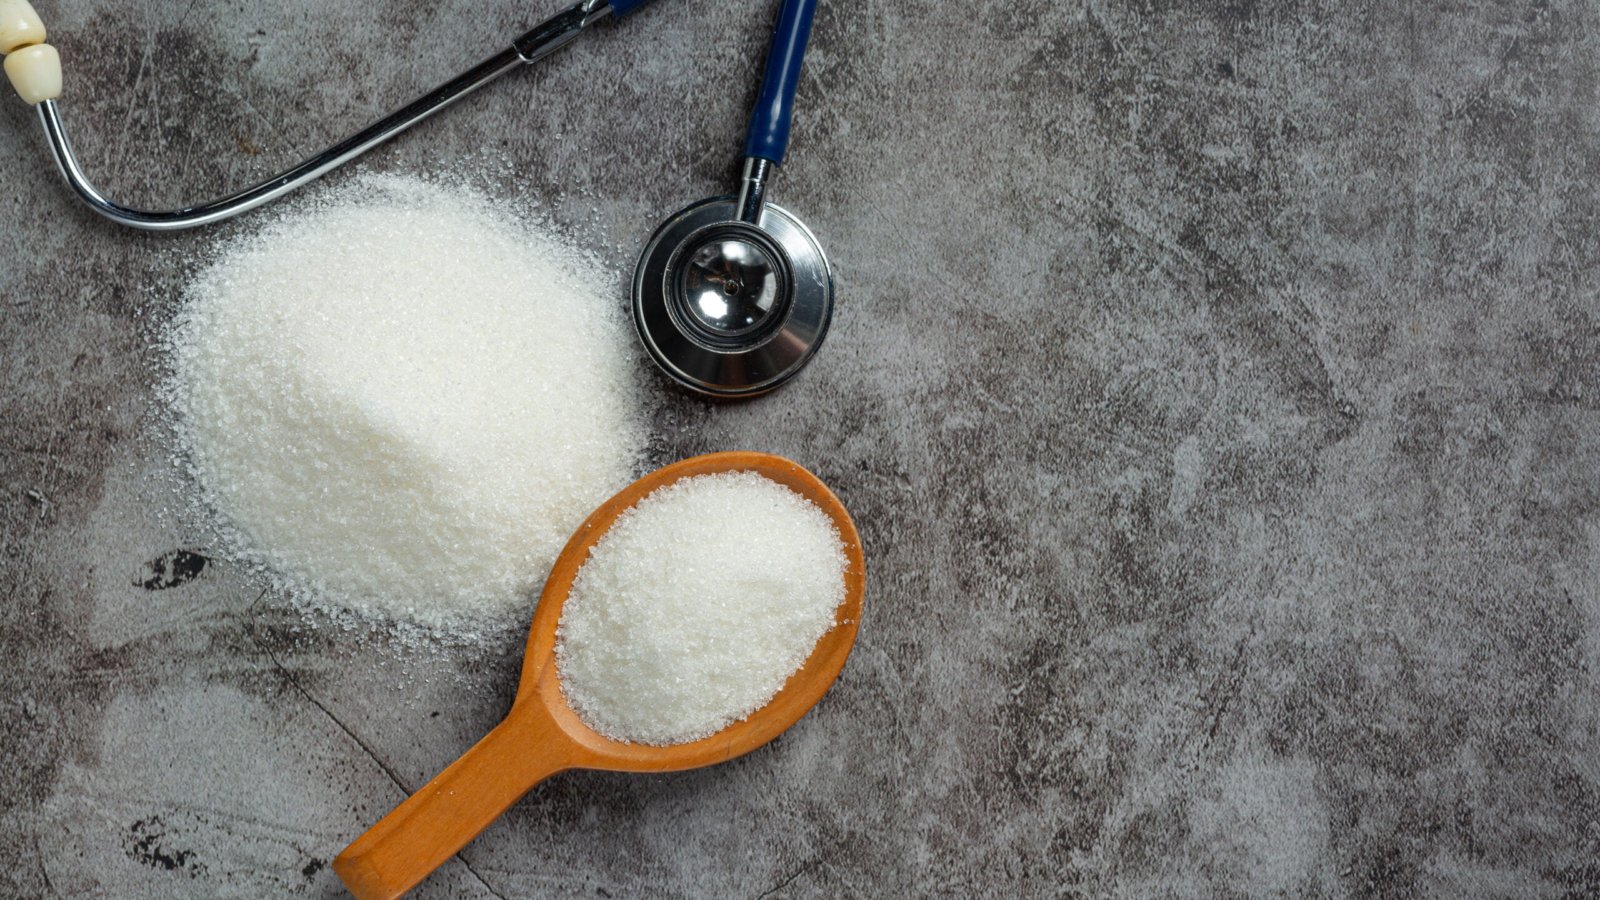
(697, 606)
(401, 400)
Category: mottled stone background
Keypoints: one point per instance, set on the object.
(1217, 386)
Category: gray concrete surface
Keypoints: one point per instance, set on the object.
(1217, 386)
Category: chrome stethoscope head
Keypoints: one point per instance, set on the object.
(728, 307)
(733, 296)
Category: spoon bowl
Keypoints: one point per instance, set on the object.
(542, 735)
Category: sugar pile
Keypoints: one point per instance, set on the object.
(697, 606)
(402, 400)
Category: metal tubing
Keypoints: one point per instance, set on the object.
(753, 189)
(537, 43)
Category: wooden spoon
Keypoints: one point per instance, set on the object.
(542, 735)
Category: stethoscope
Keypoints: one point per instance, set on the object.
(732, 295)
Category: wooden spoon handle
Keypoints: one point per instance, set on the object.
(417, 836)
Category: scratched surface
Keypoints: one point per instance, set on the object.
(1217, 386)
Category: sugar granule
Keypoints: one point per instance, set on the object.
(401, 400)
(697, 606)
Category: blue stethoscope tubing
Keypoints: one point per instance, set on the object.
(767, 136)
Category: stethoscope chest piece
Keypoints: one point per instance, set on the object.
(732, 308)
(733, 295)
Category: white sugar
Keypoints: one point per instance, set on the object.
(402, 401)
(697, 606)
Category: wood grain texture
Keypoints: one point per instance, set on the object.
(542, 735)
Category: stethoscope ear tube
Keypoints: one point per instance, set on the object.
(537, 43)
(768, 136)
